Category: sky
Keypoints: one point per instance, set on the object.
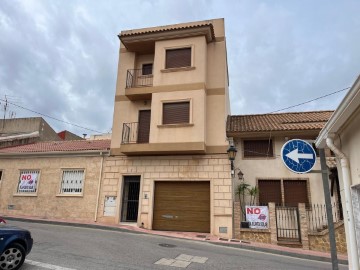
(60, 58)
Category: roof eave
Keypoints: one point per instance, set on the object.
(82, 153)
(344, 111)
(203, 30)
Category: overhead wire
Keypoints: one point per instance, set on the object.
(305, 102)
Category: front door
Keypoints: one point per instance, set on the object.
(144, 126)
(130, 199)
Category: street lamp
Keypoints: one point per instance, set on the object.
(240, 175)
(232, 154)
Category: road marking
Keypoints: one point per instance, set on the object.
(46, 265)
(181, 261)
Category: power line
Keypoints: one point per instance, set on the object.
(51, 117)
(338, 91)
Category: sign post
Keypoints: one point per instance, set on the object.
(299, 157)
(334, 259)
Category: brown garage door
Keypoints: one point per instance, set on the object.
(182, 206)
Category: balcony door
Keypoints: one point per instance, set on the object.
(144, 126)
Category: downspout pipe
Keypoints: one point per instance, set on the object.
(99, 186)
(345, 169)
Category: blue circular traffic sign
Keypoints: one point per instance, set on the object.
(298, 156)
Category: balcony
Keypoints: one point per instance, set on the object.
(138, 84)
(135, 141)
(133, 133)
(137, 78)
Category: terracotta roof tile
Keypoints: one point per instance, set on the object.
(165, 28)
(59, 146)
(315, 120)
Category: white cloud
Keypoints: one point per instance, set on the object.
(60, 57)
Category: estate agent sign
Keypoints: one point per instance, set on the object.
(28, 182)
(258, 217)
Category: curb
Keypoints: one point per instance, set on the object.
(281, 252)
(241, 246)
(73, 224)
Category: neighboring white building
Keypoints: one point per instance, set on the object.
(342, 135)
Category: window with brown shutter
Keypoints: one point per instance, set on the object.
(176, 113)
(144, 126)
(258, 148)
(147, 69)
(295, 192)
(269, 191)
(176, 58)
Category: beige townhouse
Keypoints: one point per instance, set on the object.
(168, 168)
(259, 139)
(52, 180)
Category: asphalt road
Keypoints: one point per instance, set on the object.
(67, 248)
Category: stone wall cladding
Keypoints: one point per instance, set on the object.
(320, 241)
(214, 168)
(47, 203)
(260, 236)
(256, 235)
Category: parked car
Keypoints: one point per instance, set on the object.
(15, 244)
(2, 221)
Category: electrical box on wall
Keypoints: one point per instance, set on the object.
(110, 206)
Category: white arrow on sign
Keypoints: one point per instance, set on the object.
(295, 155)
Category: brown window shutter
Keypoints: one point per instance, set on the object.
(178, 58)
(147, 69)
(258, 148)
(144, 126)
(269, 191)
(176, 113)
(295, 191)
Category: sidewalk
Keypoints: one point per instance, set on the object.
(268, 248)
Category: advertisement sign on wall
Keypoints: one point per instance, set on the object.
(258, 217)
(28, 182)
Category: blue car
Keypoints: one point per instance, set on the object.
(15, 244)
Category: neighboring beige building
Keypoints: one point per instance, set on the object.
(342, 135)
(259, 139)
(168, 168)
(52, 180)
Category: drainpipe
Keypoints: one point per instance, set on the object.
(354, 259)
(99, 186)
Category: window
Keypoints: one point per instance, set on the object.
(269, 191)
(258, 148)
(72, 182)
(1, 173)
(177, 58)
(285, 192)
(147, 69)
(28, 181)
(176, 113)
(295, 191)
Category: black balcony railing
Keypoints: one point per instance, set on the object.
(135, 78)
(130, 133)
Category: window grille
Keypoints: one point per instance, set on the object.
(28, 181)
(72, 181)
